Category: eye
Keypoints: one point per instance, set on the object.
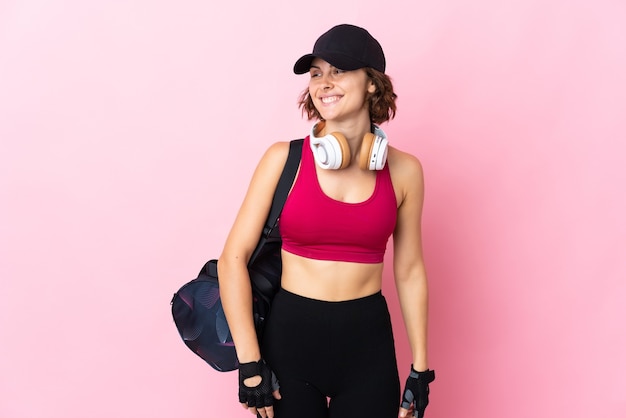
(338, 71)
(315, 74)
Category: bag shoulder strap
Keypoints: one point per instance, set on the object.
(282, 191)
(285, 182)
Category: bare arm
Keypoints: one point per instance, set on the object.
(235, 289)
(409, 269)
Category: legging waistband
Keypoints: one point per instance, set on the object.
(363, 299)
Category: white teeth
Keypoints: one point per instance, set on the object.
(329, 99)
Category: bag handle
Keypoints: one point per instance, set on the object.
(282, 191)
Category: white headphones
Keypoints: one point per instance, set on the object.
(333, 152)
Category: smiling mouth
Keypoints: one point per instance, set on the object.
(331, 99)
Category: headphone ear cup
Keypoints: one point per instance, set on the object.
(330, 151)
(373, 154)
(342, 142)
(366, 151)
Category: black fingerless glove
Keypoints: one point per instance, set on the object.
(261, 395)
(416, 391)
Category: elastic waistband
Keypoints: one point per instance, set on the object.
(365, 300)
(342, 315)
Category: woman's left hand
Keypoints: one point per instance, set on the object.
(415, 396)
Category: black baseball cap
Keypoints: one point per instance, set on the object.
(346, 47)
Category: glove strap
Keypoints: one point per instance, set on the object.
(250, 369)
(425, 376)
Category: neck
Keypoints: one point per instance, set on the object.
(353, 130)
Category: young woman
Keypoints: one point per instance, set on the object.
(328, 339)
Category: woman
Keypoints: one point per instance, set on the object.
(328, 338)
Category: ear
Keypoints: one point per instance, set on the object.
(371, 87)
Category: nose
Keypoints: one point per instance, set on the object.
(326, 81)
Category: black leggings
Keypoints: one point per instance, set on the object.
(332, 359)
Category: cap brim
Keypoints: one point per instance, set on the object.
(303, 65)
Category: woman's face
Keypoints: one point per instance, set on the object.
(339, 95)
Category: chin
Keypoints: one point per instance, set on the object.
(329, 117)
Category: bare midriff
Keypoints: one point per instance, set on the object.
(331, 281)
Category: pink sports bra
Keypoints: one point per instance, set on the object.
(313, 225)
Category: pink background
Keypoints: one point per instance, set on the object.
(122, 121)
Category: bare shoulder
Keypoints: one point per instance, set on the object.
(277, 153)
(274, 159)
(407, 178)
(405, 168)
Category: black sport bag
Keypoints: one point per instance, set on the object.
(197, 307)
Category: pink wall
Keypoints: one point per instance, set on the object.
(120, 123)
